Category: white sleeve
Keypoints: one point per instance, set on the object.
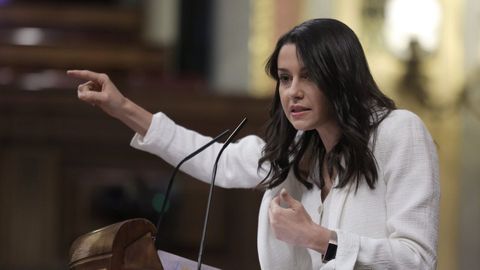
(237, 166)
(409, 167)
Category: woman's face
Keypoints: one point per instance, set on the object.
(304, 104)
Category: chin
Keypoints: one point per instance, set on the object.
(302, 124)
(301, 127)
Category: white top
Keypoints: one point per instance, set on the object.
(394, 226)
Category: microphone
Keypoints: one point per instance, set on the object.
(170, 182)
(212, 184)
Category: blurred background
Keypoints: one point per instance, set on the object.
(67, 168)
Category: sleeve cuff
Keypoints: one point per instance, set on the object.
(347, 251)
(158, 135)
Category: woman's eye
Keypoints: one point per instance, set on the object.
(306, 76)
(283, 78)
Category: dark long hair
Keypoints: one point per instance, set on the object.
(335, 61)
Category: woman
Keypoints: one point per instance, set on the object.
(350, 182)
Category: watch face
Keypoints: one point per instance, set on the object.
(331, 252)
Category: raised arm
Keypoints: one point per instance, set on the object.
(100, 91)
(161, 136)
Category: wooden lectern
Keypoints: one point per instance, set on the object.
(127, 245)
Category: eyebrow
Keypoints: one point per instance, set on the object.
(303, 70)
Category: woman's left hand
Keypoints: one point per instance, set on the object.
(292, 224)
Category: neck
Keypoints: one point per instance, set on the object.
(330, 133)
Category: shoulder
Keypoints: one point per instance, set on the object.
(401, 128)
(403, 146)
(399, 118)
(401, 123)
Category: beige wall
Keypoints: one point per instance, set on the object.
(469, 238)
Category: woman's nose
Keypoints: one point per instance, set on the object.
(296, 90)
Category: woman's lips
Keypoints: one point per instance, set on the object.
(298, 110)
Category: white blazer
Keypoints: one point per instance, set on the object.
(394, 226)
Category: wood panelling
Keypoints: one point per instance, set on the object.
(92, 157)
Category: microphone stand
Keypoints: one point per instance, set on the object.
(172, 177)
(210, 194)
(130, 244)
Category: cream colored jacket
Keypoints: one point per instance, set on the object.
(394, 226)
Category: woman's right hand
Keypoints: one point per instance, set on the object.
(99, 91)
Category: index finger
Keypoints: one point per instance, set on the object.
(87, 75)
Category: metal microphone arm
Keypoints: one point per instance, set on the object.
(212, 184)
(172, 177)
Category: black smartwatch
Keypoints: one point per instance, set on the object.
(331, 249)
